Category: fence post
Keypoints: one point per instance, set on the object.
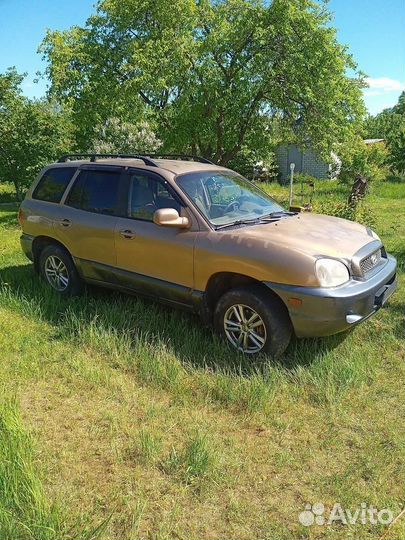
(292, 167)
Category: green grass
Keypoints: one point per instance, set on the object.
(7, 193)
(135, 417)
(25, 511)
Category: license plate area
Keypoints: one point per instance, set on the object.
(385, 292)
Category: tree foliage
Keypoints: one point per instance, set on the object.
(363, 160)
(213, 76)
(32, 133)
(390, 125)
(116, 136)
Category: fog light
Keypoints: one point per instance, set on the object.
(352, 318)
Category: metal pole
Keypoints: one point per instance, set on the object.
(292, 167)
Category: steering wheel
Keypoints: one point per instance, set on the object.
(233, 205)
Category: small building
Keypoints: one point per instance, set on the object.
(306, 162)
(373, 141)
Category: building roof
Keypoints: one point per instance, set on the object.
(373, 141)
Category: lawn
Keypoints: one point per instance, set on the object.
(7, 193)
(124, 419)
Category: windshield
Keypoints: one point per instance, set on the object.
(225, 197)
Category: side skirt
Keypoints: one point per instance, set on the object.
(139, 284)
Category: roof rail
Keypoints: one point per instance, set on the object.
(93, 157)
(186, 157)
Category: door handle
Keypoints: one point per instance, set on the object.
(127, 233)
(65, 222)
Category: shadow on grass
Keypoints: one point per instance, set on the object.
(399, 254)
(8, 216)
(114, 312)
(392, 179)
(399, 326)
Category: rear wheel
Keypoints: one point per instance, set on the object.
(253, 321)
(58, 270)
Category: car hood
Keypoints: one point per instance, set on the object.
(312, 234)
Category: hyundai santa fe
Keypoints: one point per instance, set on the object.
(195, 235)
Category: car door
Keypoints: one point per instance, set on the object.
(152, 259)
(88, 217)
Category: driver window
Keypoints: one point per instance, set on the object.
(148, 194)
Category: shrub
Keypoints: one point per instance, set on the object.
(366, 160)
(251, 164)
(362, 213)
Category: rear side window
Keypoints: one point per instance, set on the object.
(53, 184)
(96, 191)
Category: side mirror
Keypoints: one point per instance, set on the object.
(169, 217)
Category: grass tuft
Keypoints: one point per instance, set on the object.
(149, 446)
(195, 463)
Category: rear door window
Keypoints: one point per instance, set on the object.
(96, 191)
(53, 183)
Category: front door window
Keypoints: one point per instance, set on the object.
(147, 195)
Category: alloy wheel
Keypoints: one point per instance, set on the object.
(245, 329)
(56, 273)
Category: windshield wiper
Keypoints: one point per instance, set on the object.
(248, 222)
(279, 213)
(267, 218)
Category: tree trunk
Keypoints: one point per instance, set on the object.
(18, 190)
(359, 190)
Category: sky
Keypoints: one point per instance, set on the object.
(374, 31)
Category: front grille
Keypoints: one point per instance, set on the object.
(370, 262)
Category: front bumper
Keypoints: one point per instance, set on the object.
(325, 311)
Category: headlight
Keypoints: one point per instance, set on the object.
(373, 234)
(331, 272)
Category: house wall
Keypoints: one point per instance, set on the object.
(314, 166)
(282, 162)
(305, 161)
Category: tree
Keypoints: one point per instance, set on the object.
(211, 74)
(396, 136)
(390, 125)
(119, 137)
(361, 160)
(396, 147)
(32, 133)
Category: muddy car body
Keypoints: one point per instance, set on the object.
(199, 236)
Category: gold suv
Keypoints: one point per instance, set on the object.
(195, 235)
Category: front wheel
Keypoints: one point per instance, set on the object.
(253, 321)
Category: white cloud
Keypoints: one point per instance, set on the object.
(384, 85)
(373, 92)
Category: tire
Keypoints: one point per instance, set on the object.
(59, 272)
(267, 328)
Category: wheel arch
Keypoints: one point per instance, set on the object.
(222, 282)
(40, 243)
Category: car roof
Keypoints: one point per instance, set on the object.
(175, 166)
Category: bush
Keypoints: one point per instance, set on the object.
(362, 213)
(365, 160)
(251, 164)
